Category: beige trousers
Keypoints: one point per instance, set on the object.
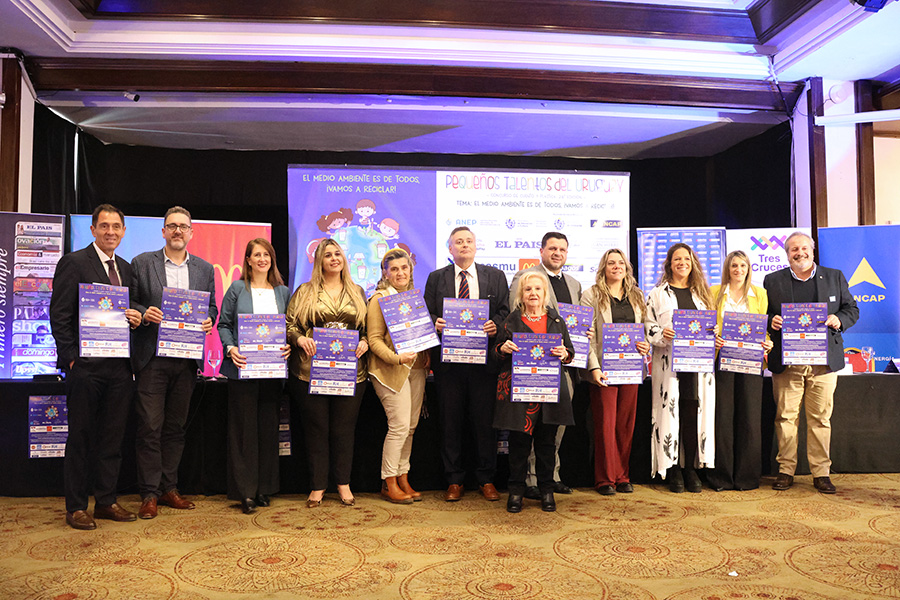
(814, 387)
(402, 409)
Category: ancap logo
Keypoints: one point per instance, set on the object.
(763, 243)
(865, 273)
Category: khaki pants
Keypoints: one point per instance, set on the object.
(814, 387)
(402, 409)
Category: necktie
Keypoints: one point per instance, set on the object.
(463, 284)
(113, 276)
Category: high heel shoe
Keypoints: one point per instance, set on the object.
(310, 503)
(351, 501)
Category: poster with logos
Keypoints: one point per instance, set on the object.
(30, 247)
(48, 426)
(764, 247)
(867, 256)
(653, 244)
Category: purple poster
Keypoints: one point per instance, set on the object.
(744, 334)
(535, 372)
(463, 339)
(103, 330)
(333, 370)
(804, 335)
(261, 339)
(48, 426)
(694, 346)
(621, 361)
(30, 246)
(578, 320)
(408, 321)
(181, 334)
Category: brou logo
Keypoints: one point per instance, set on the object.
(763, 243)
(864, 273)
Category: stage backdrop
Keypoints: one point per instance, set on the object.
(868, 258)
(220, 243)
(369, 210)
(30, 246)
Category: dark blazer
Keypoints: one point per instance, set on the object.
(573, 284)
(511, 415)
(81, 266)
(146, 291)
(238, 300)
(831, 288)
(492, 286)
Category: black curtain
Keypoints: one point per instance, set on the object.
(53, 175)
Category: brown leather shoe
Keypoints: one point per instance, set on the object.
(175, 500)
(454, 492)
(148, 508)
(783, 482)
(113, 512)
(824, 485)
(403, 482)
(490, 492)
(80, 520)
(391, 492)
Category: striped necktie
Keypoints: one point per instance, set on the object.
(463, 284)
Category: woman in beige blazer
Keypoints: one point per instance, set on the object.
(398, 379)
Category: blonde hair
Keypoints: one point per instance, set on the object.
(520, 293)
(726, 274)
(389, 257)
(309, 291)
(632, 292)
(696, 280)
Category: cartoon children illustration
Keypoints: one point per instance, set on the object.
(365, 208)
(332, 222)
(389, 228)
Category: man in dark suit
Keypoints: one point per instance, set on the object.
(462, 388)
(812, 385)
(164, 384)
(563, 288)
(98, 390)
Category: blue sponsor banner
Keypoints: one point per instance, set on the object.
(653, 244)
(868, 258)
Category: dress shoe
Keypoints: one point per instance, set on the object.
(490, 492)
(514, 503)
(403, 482)
(148, 508)
(391, 492)
(783, 482)
(675, 479)
(692, 481)
(175, 500)
(248, 506)
(262, 500)
(548, 504)
(606, 490)
(454, 492)
(624, 487)
(80, 520)
(533, 492)
(824, 485)
(113, 512)
(560, 488)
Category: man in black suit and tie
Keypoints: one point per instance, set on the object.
(812, 385)
(464, 388)
(164, 384)
(98, 390)
(563, 288)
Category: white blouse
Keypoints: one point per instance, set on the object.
(264, 301)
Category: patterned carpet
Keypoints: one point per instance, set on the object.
(648, 545)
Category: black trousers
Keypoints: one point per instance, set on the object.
(164, 389)
(253, 437)
(688, 405)
(738, 435)
(329, 426)
(99, 393)
(543, 437)
(466, 394)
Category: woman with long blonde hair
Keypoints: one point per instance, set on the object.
(615, 298)
(329, 299)
(683, 415)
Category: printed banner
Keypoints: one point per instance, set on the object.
(30, 247)
(261, 339)
(408, 321)
(621, 361)
(181, 332)
(744, 334)
(333, 371)
(764, 247)
(463, 340)
(578, 320)
(694, 346)
(48, 426)
(103, 329)
(804, 335)
(535, 372)
(653, 244)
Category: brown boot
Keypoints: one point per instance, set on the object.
(403, 483)
(392, 493)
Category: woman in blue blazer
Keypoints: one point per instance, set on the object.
(252, 403)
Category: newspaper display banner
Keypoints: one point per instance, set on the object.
(578, 320)
(535, 371)
(463, 339)
(261, 339)
(408, 321)
(621, 361)
(694, 346)
(333, 371)
(48, 426)
(181, 332)
(103, 330)
(744, 334)
(804, 335)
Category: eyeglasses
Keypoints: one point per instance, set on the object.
(173, 227)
